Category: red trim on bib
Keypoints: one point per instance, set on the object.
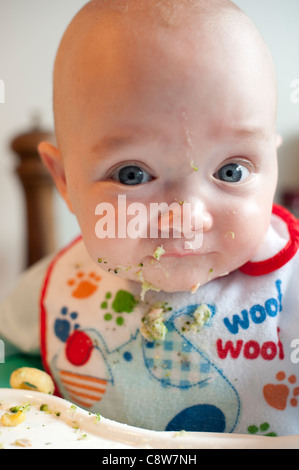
(282, 257)
(43, 312)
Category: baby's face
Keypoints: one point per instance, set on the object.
(164, 120)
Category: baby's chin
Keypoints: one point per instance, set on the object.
(165, 277)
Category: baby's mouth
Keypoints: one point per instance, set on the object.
(180, 254)
(175, 250)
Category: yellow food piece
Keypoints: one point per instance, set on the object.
(29, 378)
(195, 288)
(22, 443)
(13, 419)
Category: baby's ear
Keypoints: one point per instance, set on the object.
(52, 159)
(278, 140)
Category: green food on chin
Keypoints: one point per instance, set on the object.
(147, 286)
(159, 252)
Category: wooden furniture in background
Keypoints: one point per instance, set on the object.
(290, 200)
(38, 190)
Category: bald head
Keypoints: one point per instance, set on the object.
(93, 41)
(158, 86)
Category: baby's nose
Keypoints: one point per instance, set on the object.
(186, 218)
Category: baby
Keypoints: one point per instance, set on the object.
(183, 318)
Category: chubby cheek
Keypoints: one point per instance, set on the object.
(244, 231)
(119, 256)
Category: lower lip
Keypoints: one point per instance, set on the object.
(182, 255)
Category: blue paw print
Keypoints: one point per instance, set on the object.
(62, 326)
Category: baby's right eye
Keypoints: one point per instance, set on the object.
(131, 175)
(232, 173)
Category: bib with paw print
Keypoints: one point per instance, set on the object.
(238, 371)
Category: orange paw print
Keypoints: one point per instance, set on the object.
(277, 395)
(84, 285)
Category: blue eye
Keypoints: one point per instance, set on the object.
(132, 175)
(232, 173)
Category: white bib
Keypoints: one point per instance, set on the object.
(237, 373)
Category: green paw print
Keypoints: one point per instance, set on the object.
(124, 302)
(263, 428)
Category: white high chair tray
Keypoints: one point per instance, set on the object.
(65, 426)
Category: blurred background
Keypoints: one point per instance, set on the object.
(34, 220)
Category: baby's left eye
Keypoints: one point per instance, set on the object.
(232, 173)
(131, 175)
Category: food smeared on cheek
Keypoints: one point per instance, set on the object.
(193, 166)
(231, 233)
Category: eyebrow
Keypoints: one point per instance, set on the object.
(112, 143)
(258, 132)
(247, 132)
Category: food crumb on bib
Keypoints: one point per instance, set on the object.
(201, 315)
(153, 327)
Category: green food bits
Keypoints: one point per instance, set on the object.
(44, 407)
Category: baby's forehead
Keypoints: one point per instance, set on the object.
(109, 31)
(202, 21)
